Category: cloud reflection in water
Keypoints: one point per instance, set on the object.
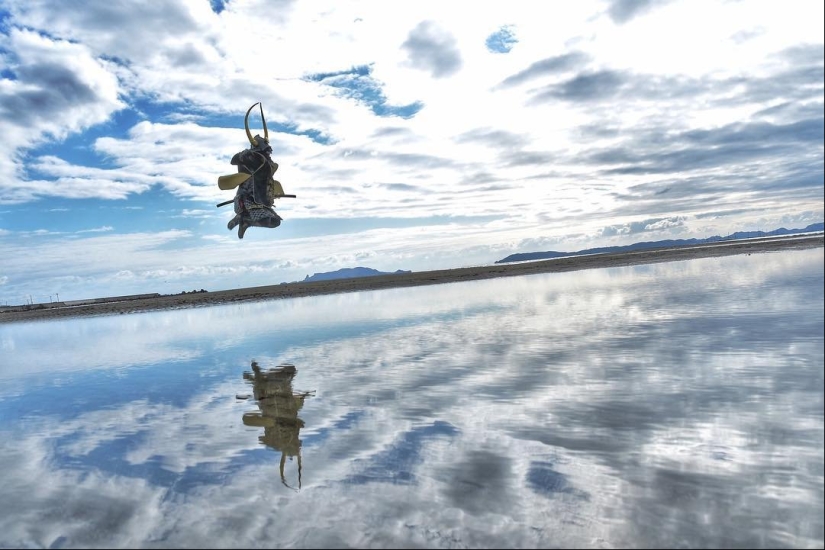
(659, 406)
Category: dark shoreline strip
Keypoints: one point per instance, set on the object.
(299, 289)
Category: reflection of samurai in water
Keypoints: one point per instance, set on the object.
(278, 416)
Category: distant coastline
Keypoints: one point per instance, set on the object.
(668, 243)
(127, 304)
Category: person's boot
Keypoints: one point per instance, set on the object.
(233, 222)
(244, 225)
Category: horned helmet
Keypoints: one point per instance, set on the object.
(259, 144)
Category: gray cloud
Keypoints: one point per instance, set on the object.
(809, 130)
(492, 137)
(122, 29)
(334, 189)
(417, 160)
(622, 11)
(390, 131)
(706, 195)
(559, 174)
(723, 213)
(480, 178)
(402, 160)
(433, 49)
(610, 85)
(400, 187)
(603, 129)
(58, 86)
(586, 87)
(509, 145)
(748, 34)
(800, 77)
(800, 83)
(644, 226)
(313, 111)
(664, 152)
(549, 66)
(702, 196)
(105, 15)
(56, 89)
(776, 155)
(803, 54)
(528, 158)
(791, 110)
(185, 56)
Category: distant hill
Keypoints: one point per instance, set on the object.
(348, 273)
(659, 244)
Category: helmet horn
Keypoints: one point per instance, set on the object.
(266, 132)
(252, 140)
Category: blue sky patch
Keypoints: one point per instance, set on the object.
(78, 149)
(154, 210)
(218, 5)
(318, 136)
(501, 41)
(5, 72)
(4, 17)
(357, 83)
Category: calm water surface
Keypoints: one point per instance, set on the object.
(667, 405)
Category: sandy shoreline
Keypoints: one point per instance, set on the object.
(297, 289)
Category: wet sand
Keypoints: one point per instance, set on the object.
(297, 289)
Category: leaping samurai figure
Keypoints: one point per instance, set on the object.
(257, 190)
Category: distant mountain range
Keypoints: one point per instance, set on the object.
(670, 243)
(349, 272)
(353, 272)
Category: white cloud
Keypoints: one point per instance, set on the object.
(59, 88)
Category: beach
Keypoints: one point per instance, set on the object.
(397, 280)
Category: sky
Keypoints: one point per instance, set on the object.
(415, 135)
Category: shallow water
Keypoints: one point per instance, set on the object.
(667, 405)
